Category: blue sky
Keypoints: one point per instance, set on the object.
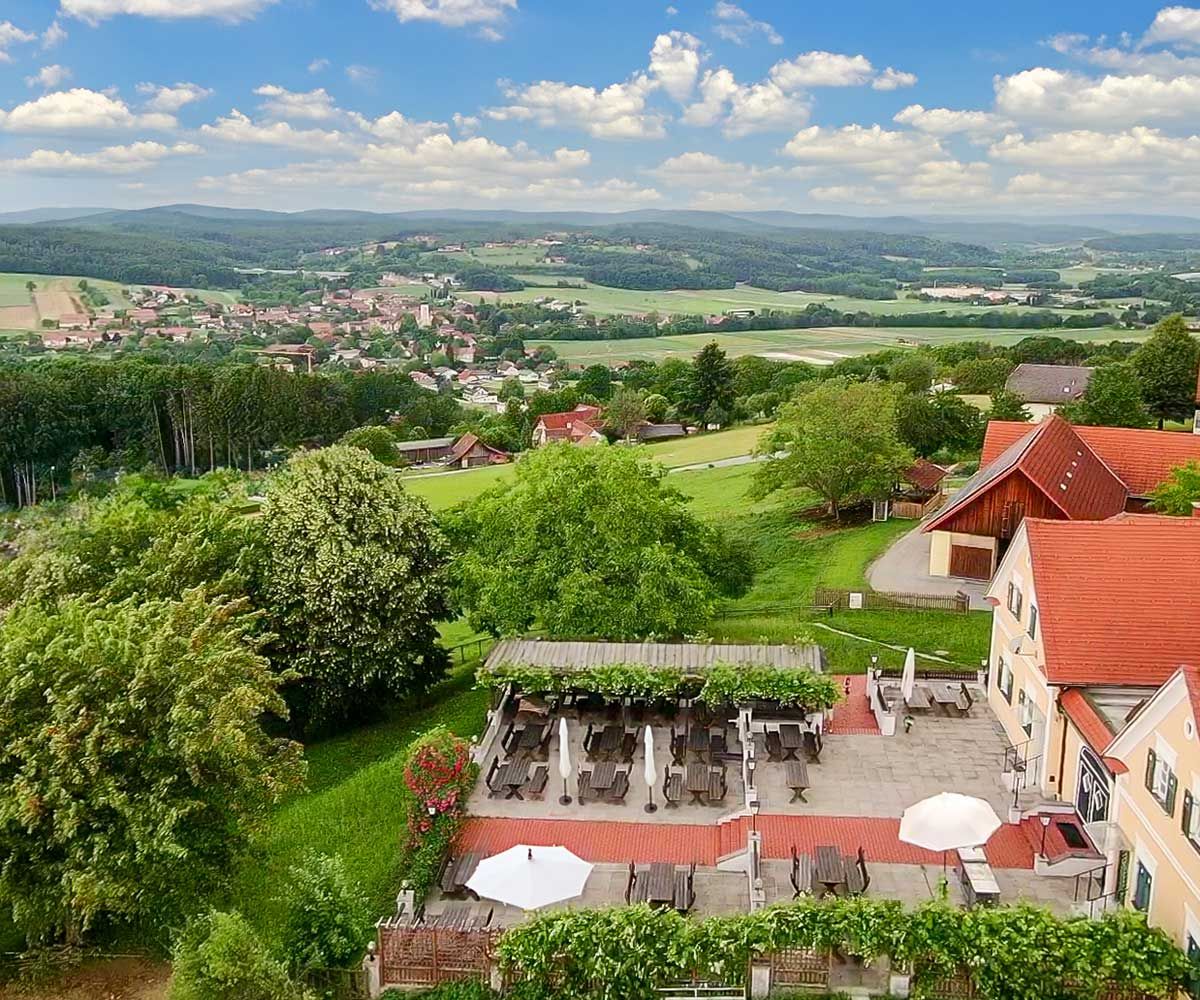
(868, 108)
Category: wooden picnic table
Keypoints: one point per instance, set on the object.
(603, 775)
(698, 741)
(945, 695)
(656, 884)
(791, 739)
(921, 699)
(830, 868)
(458, 871)
(530, 737)
(610, 740)
(697, 780)
(796, 775)
(512, 775)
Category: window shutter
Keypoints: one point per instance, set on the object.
(1172, 789)
(1151, 761)
(1186, 815)
(1010, 593)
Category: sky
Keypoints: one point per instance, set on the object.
(864, 107)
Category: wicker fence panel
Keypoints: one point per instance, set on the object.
(427, 956)
(800, 968)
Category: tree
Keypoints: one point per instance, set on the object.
(931, 423)
(354, 583)
(981, 376)
(656, 407)
(1008, 406)
(913, 371)
(840, 440)
(596, 381)
(711, 382)
(328, 915)
(134, 762)
(1176, 495)
(376, 441)
(625, 413)
(1113, 398)
(715, 416)
(1166, 368)
(511, 389)
(218, 956)
(590, 541)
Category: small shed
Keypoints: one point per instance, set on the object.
(425, 450)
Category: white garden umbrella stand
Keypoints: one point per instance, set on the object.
(948, 821)
(650, 771)
(908, 679)
(530, 877)
(564, 761)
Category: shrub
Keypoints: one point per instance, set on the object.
(219, 957)
(328, 915)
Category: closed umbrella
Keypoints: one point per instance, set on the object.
(908, 680)
(650, 772)
(564, 760)
(530, 877)
(948, 821)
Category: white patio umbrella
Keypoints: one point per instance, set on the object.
(948, 821)
(564, 760)
(908, 680)
(650, 772)
(530, 877)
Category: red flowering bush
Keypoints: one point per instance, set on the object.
(439, 775)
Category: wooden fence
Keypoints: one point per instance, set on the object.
(427, 956)
(911, 510)
(338, 984)
(839, 599)
(795, 969)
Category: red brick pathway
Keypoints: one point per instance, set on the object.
(853, 717)
(603, 841)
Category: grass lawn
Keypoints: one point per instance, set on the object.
(793, 555)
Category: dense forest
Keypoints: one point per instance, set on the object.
(75, 415)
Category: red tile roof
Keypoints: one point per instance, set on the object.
(1141, 459)
(924, 475)
(1191, 677)
(1090, 723)
(1118, 599)
(562, 421)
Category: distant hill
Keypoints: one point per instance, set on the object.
(34, 215)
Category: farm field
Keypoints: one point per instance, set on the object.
(603, 301)
(499, 256)
(818, 346)
(17, 311)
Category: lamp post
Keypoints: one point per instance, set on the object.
(755, 805)
(1045, 821)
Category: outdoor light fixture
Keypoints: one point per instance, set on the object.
(755, 805)
(1045, 821)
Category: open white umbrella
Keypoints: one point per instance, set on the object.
(530, 877)
(948, 821)
(564, 760)
(908, 680)
(650, 772)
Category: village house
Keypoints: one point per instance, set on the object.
(579, 426)
(1093, 676)
(1044, 388)
(469, 452)
(1048, 470)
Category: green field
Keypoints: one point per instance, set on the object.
(819, 345)
(14, 293)
(499, 256)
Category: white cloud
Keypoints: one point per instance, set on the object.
(743, 108)
(1174, 26)
(893, 79)
(1142, 148)
(171, 98)
(675, 63)
(856, 194)
(873, 150)
(364, 76)
(53, 35)
(672, 11)
(947, 121)
(466, 124)
(395, 128)
(943, 181)
(79, 110)
(49, 77)
(618, 111)
(238, 129)
(313, 105)
(129, 159)
(1053, 96)
(704, 170)
(94, 11)
(10, 35)
(450, 13)
(822, 69)
(735, 25)
(318, 65)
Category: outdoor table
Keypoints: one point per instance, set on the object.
(610, 740)
(945, 695)
(660, 883)
(603, 775)
(530, 738)
(513, 775)
(697, 781)
(698, 741)
(830, 868)
(979, 884)
(920, 700)
(459, 869)
(790, 739)
(796, 774)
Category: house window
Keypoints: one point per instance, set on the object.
(1033, 621)
(1161, 781)
(1006, 679)
(1014, 600)
(1025, 713)
(1190, 819)
(1142, 887)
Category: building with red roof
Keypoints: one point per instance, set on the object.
(579, 426)
(1052, 470)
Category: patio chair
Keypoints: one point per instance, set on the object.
(492, 773)
(629, 883)
(857, 876)
(507, 739)
(812, 746)
(718, 745)
(774, 747)
(716, 784)
(537, 783)
(672, 788)
(685, 889)
(965, 701)
(620, 787)
(584, 787)
(628, 746)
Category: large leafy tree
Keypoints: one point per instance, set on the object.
(1177, 494)
(929, 423)
(590, 541)
(1113, 399)
(625, 413)
(354, 583)
(1166, 368)
(1008, 406)
(839, 439)
(133, 762)
(711, 382)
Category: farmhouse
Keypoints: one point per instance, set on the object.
(469, 452)
(1050, 470)
(579, 426)
(1044, 388)
(425, 450)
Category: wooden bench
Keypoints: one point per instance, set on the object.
(857, 876)
(716, 784)
(802, 874)
(685, 889)
(812, 746)
(537, 784)
(672, 788)
(774, 747)
(619, 788)
(583, 791)
(796, 775)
